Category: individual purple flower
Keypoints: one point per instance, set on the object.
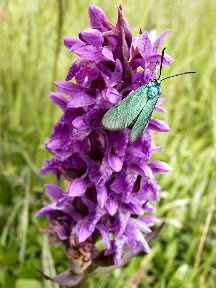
(110, 182)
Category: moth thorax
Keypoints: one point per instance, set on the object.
(154, 90)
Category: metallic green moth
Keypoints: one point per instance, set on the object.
(135, 110)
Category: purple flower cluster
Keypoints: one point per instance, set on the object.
(110, 182)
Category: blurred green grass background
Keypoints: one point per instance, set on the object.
(32, 57)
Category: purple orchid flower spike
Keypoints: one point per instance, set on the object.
(109, 182)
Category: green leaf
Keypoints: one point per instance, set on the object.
(47, 263)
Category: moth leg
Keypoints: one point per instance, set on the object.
(115, 94)
(157, 62)
(140, 84)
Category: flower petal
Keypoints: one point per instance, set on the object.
(160, 167)
(73, 69)
(158, 125)
(88, 72)
(158, 42)
(118, 250)
(77, 187)
(81, 99)
(70, 42)
(136, 151)
(80, 124)
(54, 144)
(97, 18)
(103, 230)
(47, 210)
(111, 206)
(111, 95)
(90, 52)
(101, 195)
(84, 232)
(92, 36)
(124, 27)
(117, 185)
(142, 242)
(123, 218)
(114, 162)
(58, 100)
(117, 73)
(160, 101)
(107, 53)
(167, 60)
(156, 149)
(141, 225)
(68, 88)
(96, 218)
(141, 169)
(53, 192)
(159, 109)
(144, 45)
(149, 220)
(89, 204)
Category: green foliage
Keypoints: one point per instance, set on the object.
(183, 255)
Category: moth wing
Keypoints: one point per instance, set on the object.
(123, 114)
(142, 120)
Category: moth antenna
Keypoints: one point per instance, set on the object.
(177, 75)
(162, 57)
(130, 83)
(154, 69)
